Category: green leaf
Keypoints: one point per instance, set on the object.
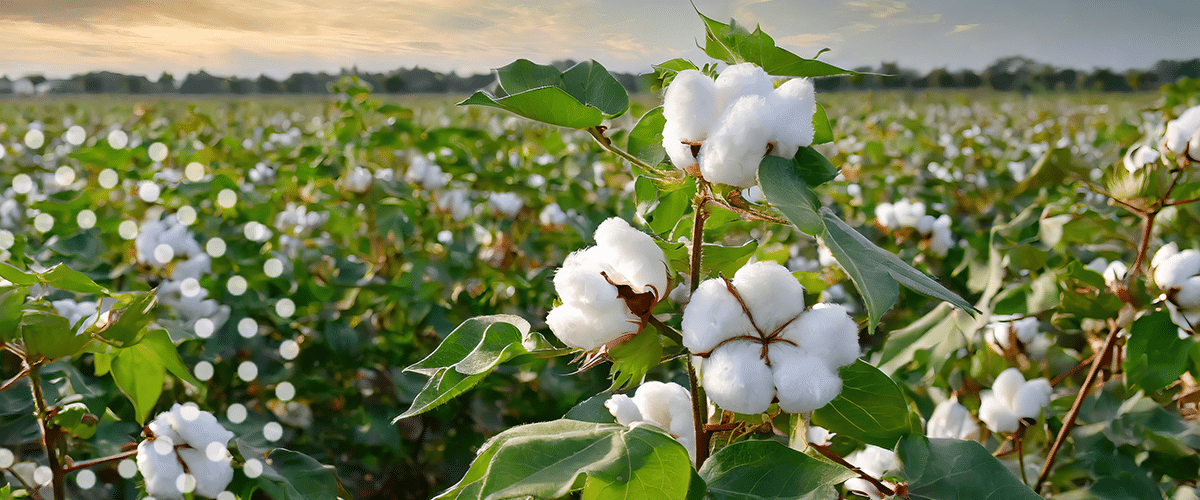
(12, 301)
(733, 44)
(789, 193)
(665, 72)
(769, 470)
(813, 167)
(466, 355)
(291, 475)
(71, 418)
(159, 349)
(876, 272)
(634, 357)
(822, 131)
(50, 335)
(942, 331)
(581, 97)
(132, 321)
(645, 140)
(65, 278)
(592, 410)
(17, 276)
(140, 379)
(726, 260)
(549, 459)
(951, 468)
(870, 408)
(1155, 355)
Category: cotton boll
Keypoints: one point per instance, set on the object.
(1193, 151)
(1188, 319)
(818, 435)
(679, 152)
(712, 315)
(942, 241)
(733, 151)
(1188, 296)
(874, 461)
(1007, 384)
(160, 468)
(952, 420)
(635, 256)
(198, 428)
(660, 402)
(803, 382)
(795, 103)
(161, 427)
(908, 214)
(885, 213)
(1031, 398)
(1181, 129)
(1139, 157)
(742, 80)
(737, 379)
(1165, 252)
(1173, 271)
(925, 225)
(996, 414)
(770, 292)
(827, 332)
(195, 267)
(1115, 272)
(690, 105)
(590, 326)
(212, 476)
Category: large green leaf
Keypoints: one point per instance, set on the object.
(726, 260)
(140, 370)
(132, 321)
(50, 335)
(870, 408)
(950, 468)
(65, 278)
(733, 44)
(645, 140)
(465, 357)
(290, 475)
(788, 192)
(769, 470)
(17, 276)
(550, 459)
(12, 300)
(581, 97)
(1155, 355)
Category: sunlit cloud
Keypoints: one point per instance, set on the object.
(877, 8)
(962, 28)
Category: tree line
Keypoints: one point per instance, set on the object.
(1014, 73)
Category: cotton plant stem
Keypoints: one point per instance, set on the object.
(828, 453)
(598, 134)
(50, 436)
(699, 401)
(98, 461)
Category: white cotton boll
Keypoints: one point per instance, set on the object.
(161, 427)
(1188, 296)
(1139, 157)
(1007, 384)
(737, 380)
(908, 214)
(508, 204)
(738, 143)
(1188, 319)
(712, 315)
(818, 435)
(827, 332)
(1193, 151)
(874, 461)
(795, 103)
(635, 256)
(160, 468)
(552, 215)
(741, 80)
(1181, 129)
(952, 420)
(925, 225)
(1165, 252)
(623, 409)
(770, 292)
(679, 152)
(1031, 398)
(690, 107)
(593, 325)
(197, 427)
(996, 414)
(1115, 272)
(195, 267)
(1173, 271)
(212, 476)
(941, 241)
(885, 213)
(661, 402)
(803, 382)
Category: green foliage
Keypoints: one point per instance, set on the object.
(768, 470)
(580, 97)
(949, 468)
(733, 44)
(1155, 355)
(870, 408)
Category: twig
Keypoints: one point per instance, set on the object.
(50, 435)
(97, 461)
(598, 134)
(1082, 364)
(824, 450)
(666, 330)
(699, 414)
(699, 215)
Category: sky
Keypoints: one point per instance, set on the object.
(59, 38)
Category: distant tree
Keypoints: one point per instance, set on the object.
(1108, 81)
(970, 79)
(137, 84)
(92, 83)
(204, 83)
(268, 85)
(166, 82)
(941, 78)
(242, 85)
(394, 84)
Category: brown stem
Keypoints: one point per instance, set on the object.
(50, 434)
(1143, 247)
(825, 450)
(698, 218)
(97, 461)
(1078, 368)
(1069, 422)
(1181, 202)
(598, 134)
(699, 414)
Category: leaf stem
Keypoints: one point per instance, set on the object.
(666, 330)
(699, 415)
(598, 133)
(828, 453)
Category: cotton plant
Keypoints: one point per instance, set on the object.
(874, 461)
(185, 451)
(907, 214)
(760, 344)
(952, 420)
(1182, 135)
(1177, 274)
(506, 204)
(1011, 399)
(667, 405)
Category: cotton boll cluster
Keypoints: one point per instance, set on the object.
(1183, 135)
(952, 420)
(358, 180)
(426, 173)
(183, 294)
(1003, 329)
(608, 290)
(185, 436)
(667, 405)
(553, 215)
(727, 126)
(262, 174)
(1113, 272)
(1177, 273)
(455, 201)
(1011, 399)
(298, 220)
(161, 241)
(507, 204)
(911, 214)
(875, 462)
(777, 350)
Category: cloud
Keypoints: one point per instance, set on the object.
(810, 40)
(925, 19)
(962, 28)
(877, 8)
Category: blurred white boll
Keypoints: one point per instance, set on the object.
(262, 174)
(170, 232)
(1001, 330)
(908, 213)
(358, 180)
(1180, 132)
(507, 204)
(952, 420)
(426, 174)
(1178, 274)
(456, 202)
(778, 351)
(885, 213)
(875, 462)
(161, 458)
(552, 215)
(668, 405)
(593, 313)
(1011, 399)
(942, 239)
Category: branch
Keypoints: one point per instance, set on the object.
(97, 461)
(598, 133)
(825, 450)
(50, 435)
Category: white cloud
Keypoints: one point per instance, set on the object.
(962, 28)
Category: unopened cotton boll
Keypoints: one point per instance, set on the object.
(738, 143)
(952, 420)
(1180, 131)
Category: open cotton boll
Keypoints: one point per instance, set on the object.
(908, 214)
(1188, 296)
(590, 326)
(737, 379)
(741, 80)
(941, 241)
(624, 409)
(1187, 319)
(635, 256)
(1007, 384)
(885, 213)
(925, 225)
(667, 405)
(952, 420)
(1165, 252)
(827, 332)
(160, 468)
(720, 317)
(1114, 272)
(196, 427)
(803, 382)
(1137, 158)
(738, 143)
(771, 293)
(1174, 270)
(874, 461)
(995, 414)
(212, 476)
(818, 435)
(1031, 398)
(679, 152)
(691, 107)
(794, 103)
(1181, 129)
